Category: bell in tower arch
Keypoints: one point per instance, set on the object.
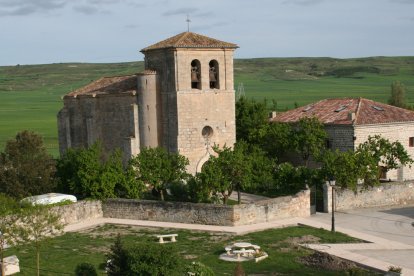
(194, 74)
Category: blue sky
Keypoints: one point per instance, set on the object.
(52, 31)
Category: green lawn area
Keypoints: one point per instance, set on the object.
(61, 255)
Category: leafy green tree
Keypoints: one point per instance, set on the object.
(277, 140)
(232, 170)
(236, 167)
(25, 167)
(214, 181)
(38, 224)
(251, 120)
(309, 138)
(116, 263)
(397, 97)
(345, 167)
(87, 173)
(9, 215)
(159, 168)
(381, 152)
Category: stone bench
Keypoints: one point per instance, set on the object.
(228, 250)
(168, 236)
(11, 265)
(245, 253)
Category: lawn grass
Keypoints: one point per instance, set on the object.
(61, 255)
(30, 95)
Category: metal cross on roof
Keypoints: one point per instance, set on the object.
(188, 23)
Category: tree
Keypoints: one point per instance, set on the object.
(277, 140)
(381, 152)
(345, 167)
(38, 224)
(251, 120)
(397, 97)
(309, 138)
(159, 168)
(87, 173)
(116, 258)
(230, 170)
(9, 215)
(25, 166)
(144, 259)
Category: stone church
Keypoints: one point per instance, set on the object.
(182, 101)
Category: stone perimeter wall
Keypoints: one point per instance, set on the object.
(80, 211)
(212, 214)
(387, 194)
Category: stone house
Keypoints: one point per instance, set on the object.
(182, 101)
(349, 121)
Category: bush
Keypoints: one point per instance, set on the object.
(153, 259)
(144, 259)
(85, 269)
(199, 269)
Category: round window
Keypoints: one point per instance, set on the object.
(207, 132)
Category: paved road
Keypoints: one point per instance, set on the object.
(392, 224)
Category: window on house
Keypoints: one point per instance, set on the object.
(213, 74)
(411, 141)
(328, 144)
(196, 74)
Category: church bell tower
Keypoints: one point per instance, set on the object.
(186, 96)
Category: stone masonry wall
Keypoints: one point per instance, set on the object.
(212, 214)
(387, 194)
(273, 209)
(393, 132)
(80, 211)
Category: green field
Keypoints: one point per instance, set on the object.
(30, 95)
(61, 255)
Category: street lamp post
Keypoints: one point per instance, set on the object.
(332, 184)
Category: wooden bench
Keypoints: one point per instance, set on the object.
(169, 236)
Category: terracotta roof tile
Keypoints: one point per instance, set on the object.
(336, 111)
(108, 85)
(190, 40)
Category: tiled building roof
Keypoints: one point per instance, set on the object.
(190, 40)
(108, 85)
(348, 111)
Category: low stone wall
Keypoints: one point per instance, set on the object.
(212, 214)
(388, 194)
(80, 211)
(273, 209)
(184, 212)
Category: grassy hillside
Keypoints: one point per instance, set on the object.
(30, 95)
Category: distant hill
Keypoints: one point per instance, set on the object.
(30, 95)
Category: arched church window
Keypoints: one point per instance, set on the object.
(196, 74)
(213, 74)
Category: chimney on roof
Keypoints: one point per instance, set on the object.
(351, 116)
(272, 114)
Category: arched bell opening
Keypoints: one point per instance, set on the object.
(214, 74)
(195, 74)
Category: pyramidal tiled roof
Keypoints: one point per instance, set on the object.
(190, 40)
(337, 112)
